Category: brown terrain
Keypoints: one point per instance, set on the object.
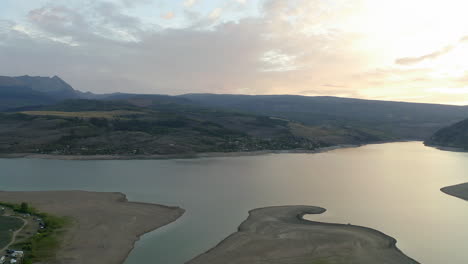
(280, 235)
(105, 225)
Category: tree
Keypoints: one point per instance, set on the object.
(24, 207)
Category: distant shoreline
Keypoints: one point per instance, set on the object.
(439, 147)
(187, 155)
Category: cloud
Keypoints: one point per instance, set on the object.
(264, 54)
(275, 60)
(294, 46)
(215, 13)
(112, 15)
(430, 56)
(334, 85)
(189, 3)
(168, 15)
(134, 3)
(6, 25)
(99, 22)
(192, 16)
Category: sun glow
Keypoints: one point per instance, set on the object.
(416, 26)
(373, 49)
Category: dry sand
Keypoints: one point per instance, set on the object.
(105, 225)
(280, 235)
(459, 190)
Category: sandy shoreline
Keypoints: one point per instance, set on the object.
(459, 190)
(105, 225)
(280, 235)
(181, 156)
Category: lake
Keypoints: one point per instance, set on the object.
(391, 187)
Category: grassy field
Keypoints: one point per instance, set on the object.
(84, 114)
(41, 246)
(7, 226)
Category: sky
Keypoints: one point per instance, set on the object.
(398, 50)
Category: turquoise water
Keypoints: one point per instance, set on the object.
(391, 187)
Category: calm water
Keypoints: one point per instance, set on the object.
(391, 187)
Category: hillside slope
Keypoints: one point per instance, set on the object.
(454, 136)
(404, 120)
(46, 115)
(92, 127)
(27, 91)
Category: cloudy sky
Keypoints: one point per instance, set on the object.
(406, 50)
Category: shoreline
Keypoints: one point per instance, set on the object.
(139, 235)
(444, 148)
(301, 241)
(188, 155)
(106, 226)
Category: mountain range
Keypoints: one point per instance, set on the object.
(46, 115)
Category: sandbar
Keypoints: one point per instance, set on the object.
(105, 226)
(280, 235)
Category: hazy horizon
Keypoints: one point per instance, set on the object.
(412, 51)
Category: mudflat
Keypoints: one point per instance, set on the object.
(459, 190)
(105, 225)
(280, 235)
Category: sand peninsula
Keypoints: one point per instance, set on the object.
(105, 225)
(459, 190)
(280, 235)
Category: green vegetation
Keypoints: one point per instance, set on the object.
(164, 125)
(125, 124)
(7, 226)
(87, 114)
(70, 129)
(43, 245)
(22, 208)
(57, 119)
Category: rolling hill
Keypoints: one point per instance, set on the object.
(404, 120)
(453, 136)
(46, 115)
(91, 127)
